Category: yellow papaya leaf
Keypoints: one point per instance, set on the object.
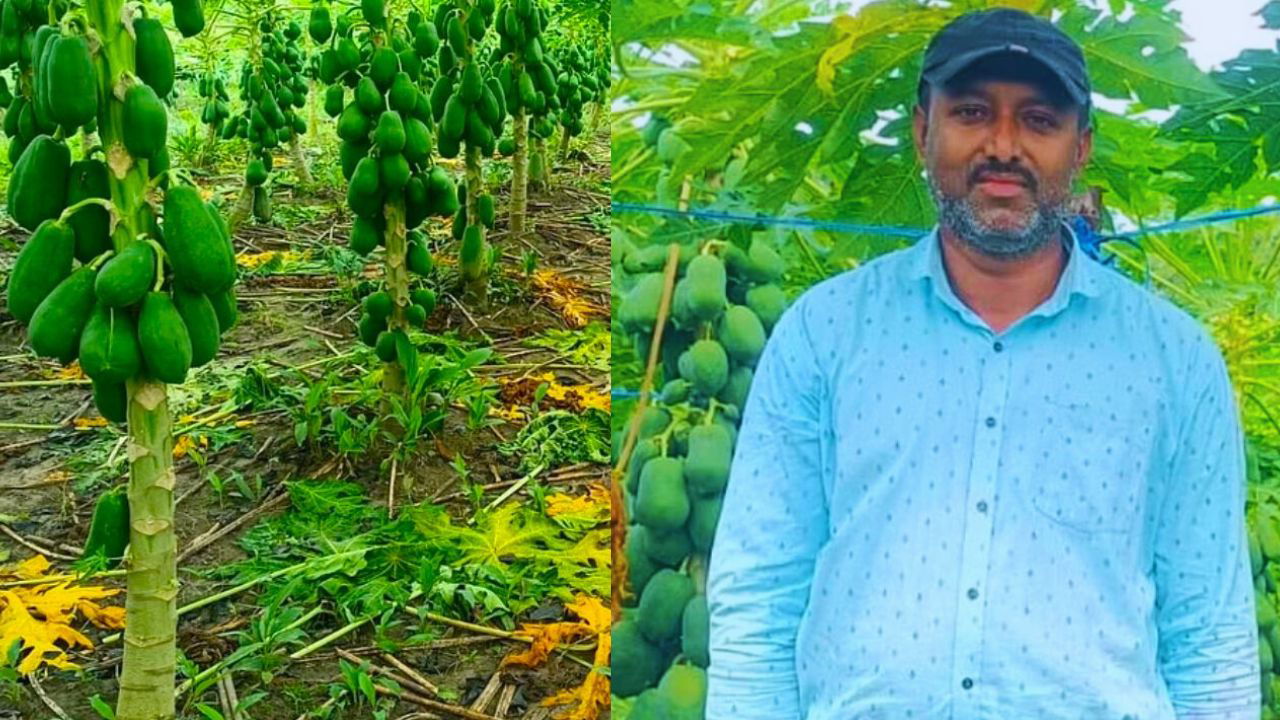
(591, 697)
(38, 639)
(38, 617)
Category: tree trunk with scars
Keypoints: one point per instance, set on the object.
(519, 175)
(150, 652)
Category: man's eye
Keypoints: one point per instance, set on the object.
(969, 111)
(1042, 121)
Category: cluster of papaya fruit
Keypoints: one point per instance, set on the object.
(273, 86)
(667, 140)
(724, 304)
(156, 308)
(212, 86)
(1264, 556)
(577, 84)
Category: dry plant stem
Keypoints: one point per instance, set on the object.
(454, 710)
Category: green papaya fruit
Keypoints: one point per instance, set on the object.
(153, 55)
(708, 366)
(262, 204)
(109, 345)
(38, 185)
(394, 172)
(706, 465)
(127, 277)
(60, 318)
(109, 529)
(364, 192)
(319, 25)
(71, 72)
(768, 302)
(42, 264)
(369, 327)
(389, 136)
(256, 172)
(453, 124)
(418, 258)
(224, 306)
(472, 85)
(635, 664)
(198, 251)
(402, 95)
(146, 123)
(163, 338)
(112, 400)
(378, 305)
(742, 334)
(365, 236)
(369, 97)
(188, 17)
(201, 321)
(695, 629)
(374, 12)
(471, 254)
(385, 346)
(485, 210)
(662, 603)
(424, 298)
(417, 141)
(354, 125)
(347, 54)
(426, 40)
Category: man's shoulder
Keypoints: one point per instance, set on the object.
(848, 289)
(1154, 315)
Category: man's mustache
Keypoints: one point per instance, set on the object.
(983, 171)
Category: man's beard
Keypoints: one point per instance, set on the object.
(1042, 224)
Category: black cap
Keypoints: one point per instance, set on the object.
(974, 36)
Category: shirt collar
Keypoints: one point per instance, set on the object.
(1080, 276)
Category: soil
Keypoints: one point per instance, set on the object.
(47, 484)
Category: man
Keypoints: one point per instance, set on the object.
(984, 477)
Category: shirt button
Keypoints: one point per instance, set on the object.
(982, 506)
(991, 422)
(973, 593)
(999, 346)
(966, 683)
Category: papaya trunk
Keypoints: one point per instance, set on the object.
(313, 121)
(147, 674)
(151, 612)
(240, 211)
(595, 117)
(476, 276)
(397, 276)
(538, 173)
(210, 142)
(300, 161)
(564, 144)
(519, 175)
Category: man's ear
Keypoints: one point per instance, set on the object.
(920, 130)
(1084, 148)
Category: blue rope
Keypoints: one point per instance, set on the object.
(1090, 241)
(896, 231)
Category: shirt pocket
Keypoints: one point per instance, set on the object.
(1094, 477)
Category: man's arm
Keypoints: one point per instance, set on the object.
(1204, 585)
(773, 522)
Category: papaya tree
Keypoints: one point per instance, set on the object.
(273, 87)
(128, 271)
(469, 104)
(527, 90)
(393, 182)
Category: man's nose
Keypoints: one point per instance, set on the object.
(1002, 140)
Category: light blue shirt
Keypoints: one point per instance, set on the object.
(929, 520)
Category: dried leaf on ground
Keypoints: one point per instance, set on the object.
(39, 617)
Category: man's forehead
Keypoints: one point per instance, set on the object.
(1018, 91)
